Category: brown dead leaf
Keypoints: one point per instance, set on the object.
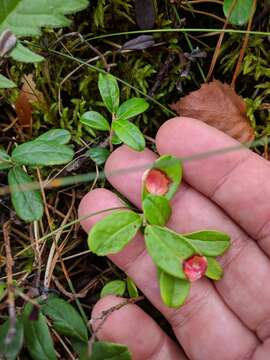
(23, 105)
(218, 105)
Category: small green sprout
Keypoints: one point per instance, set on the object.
(120, 129)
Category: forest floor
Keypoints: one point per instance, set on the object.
(168, 65)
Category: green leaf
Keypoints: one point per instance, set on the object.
(131, 108)
(99, 155)
(23, 54)
(172, 168)
(209, 242)
(5, 160)
(109, 351)
(59, 136)
(37, 336)
(3, 287)
(95, 120)
(173, 291)
(240, 12)
(109, 91)
(26, 17)
(214, 270)
(80, 347)
(129, 133)
(112, 233)
(115, 287)
(132, 288)
(156, 209)
(116, 140)
(27, 203)
(167, 249)
(66, 320)
(42, 153)
(5, 83)
(10, 351)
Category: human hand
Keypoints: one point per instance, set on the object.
(230, 192)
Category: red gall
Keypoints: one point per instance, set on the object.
(156, 182)
(195, 267)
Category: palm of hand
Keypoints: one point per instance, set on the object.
(226, 320)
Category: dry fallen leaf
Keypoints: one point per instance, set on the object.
(23, 105)
(218, 105)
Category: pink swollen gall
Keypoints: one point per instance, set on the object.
(195, 267)
(156, 182)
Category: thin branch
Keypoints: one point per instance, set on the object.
(11, 298)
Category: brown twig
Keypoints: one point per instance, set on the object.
(54, 247)
(11, 298)
(218, 46)
(104, 316)
(106, 313)
(244, 46)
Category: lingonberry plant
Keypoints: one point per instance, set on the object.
(120, 129)
(48, 149)
(180, 258)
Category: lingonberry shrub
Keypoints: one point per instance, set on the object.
(120, 128)
(180, 258)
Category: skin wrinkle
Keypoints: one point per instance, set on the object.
(157, 349)
(213, 195)
(193, 305)
(127, 266)
(263, 330)
(262, 352)
(163, 347)
(239, 245)
(263, 233)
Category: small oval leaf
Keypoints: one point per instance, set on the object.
(109, 91)
(11, 350)
(109, 351)
(214, 270)
(66, 320)
(27, 203)
(42, 153)
(167, 249)
(95, 120)
(115, 287)
(145, 13)
(156, 210)
(59, 136)
(98, 154)
(129, 133)
(131, 108)
(6, 83)
(239, 11)
(173, 291)
(132, 288)
(112, 233)
(139, 43)
(23, 54)
(37, 336)
(209, 242)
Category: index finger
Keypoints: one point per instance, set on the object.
(238, 181)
